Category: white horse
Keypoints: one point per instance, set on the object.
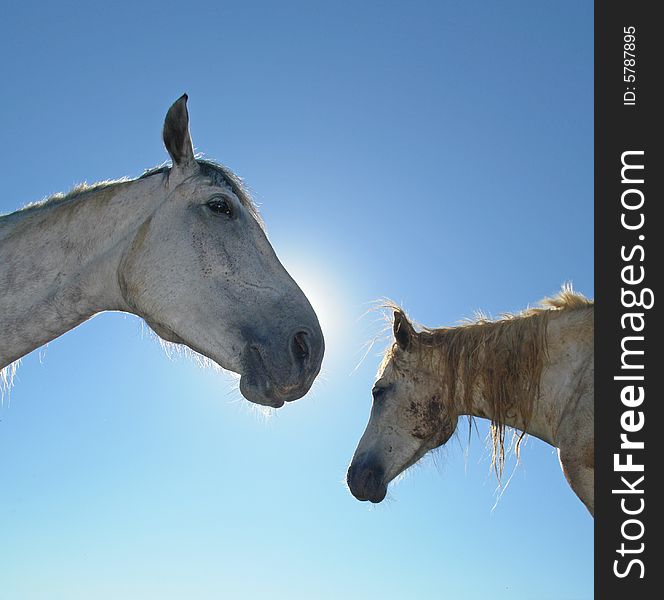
(183, 248)
(532, 372)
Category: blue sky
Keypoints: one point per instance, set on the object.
(436, 153)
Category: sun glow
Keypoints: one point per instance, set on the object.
(326, 295)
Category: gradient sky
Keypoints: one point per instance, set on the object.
(436, 153)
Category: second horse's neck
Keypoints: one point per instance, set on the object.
(567, 348)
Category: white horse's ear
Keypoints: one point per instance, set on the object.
(176, 136)
(403, 330)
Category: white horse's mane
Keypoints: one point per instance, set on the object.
(218, 173)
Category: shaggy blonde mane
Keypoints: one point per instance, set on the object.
(501, 359)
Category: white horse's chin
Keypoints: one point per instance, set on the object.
(257, 394)
(258, 385)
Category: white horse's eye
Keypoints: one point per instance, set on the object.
(220, 206)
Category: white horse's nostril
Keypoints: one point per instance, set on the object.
(300, 346)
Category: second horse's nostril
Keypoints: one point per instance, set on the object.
(300, 346)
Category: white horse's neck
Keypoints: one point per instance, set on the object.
(59, 262)
(566, 373)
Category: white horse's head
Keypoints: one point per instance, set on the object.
(202, 273)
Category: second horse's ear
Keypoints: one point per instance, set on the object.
(176, 136)
(403, 330)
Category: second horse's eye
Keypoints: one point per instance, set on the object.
(220, 206)
(378, 392)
